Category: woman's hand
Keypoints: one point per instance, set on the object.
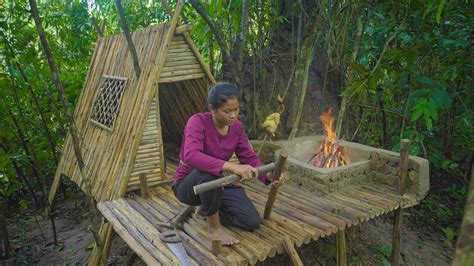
(246, 171)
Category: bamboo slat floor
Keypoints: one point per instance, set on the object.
(297, 214)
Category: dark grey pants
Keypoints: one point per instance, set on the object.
(232, 203)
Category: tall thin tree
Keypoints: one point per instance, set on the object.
(72, 126)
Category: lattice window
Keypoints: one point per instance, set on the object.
(107, 103)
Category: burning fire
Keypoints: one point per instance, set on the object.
(330, 153)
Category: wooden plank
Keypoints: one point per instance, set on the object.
(183, 72)
(181, 67)
(199, 58)
(179, 78)
(181, 58)
(172, 56)
(180, 50)
(128, 237)
(179, 45)
(146, 229)
(179, 63)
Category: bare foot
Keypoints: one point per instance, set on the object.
(226, 239)
(198, 214)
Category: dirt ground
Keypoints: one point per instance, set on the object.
(368, 244)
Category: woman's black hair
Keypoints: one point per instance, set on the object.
(220, 93)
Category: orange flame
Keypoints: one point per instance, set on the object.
(330, 153)
(328, 121)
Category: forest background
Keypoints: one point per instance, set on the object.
(392, 69)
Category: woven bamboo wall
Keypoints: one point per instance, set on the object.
(109, 155)
(148, 158)
(181, 62)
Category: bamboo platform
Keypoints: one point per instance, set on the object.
(298, 215)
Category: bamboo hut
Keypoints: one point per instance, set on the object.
(126, 123)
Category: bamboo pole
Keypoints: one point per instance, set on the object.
(398, 223)
(182, 29)
(290, 249)
(274, 189)
(128, 37)
(181, 216)
(143, 186)
(341, 258)
(228, 179)
(216, 246)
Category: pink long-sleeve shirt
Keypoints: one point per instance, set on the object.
(204, 148)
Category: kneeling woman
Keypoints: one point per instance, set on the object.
(209, 141)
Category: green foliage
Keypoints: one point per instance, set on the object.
(382, 253)
(449, 235)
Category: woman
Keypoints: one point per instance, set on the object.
(209, 141)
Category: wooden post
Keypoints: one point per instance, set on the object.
(290, 249)
(143, 185)
(340, 243)
(99, 255)
(397, 225)
(216, 246)
(274, 189)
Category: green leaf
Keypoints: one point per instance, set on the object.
(418, 110)
(429, 9)
(442, 98)
(379, 15)
(433, 109)
(416, 114)
(373, 83)
(440, 10)
(428, 121)
(89, 247)
(356, 85)
(357, 68)
(23, 205)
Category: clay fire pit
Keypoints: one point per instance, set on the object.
(366, 165)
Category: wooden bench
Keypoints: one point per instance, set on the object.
(297, 215)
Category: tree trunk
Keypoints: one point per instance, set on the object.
(128, 37)
(380, 97)
(242, 43)
(301, 73)
(464, 248)
(355, 52)
(72, 125)
(5, 251)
